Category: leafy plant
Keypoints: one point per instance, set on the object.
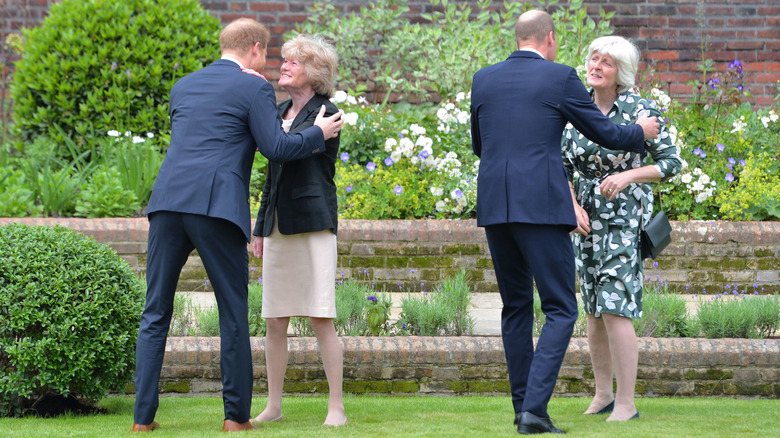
(257, 326)
(15, 198)
(437, 58)
(69, 315)
(438, 313)
(95, 65)
(664, 315)
(739, 316)
(104, 196)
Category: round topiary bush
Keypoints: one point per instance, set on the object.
(69, 315)
(99, 65)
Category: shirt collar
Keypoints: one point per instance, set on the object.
(528, 49)
(230, 58)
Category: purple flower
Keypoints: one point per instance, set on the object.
(458, 193)
(424, 154)
(729, 167)
(114, 66)
(388, 161)
(740, 88)
(713, 83)
(729, 177)
(372, 299)
(344, 157)
(703, 154)
(371, 166)
(732, 160)
(398, 190)
(129, 75)
(697, 151)
(720, 147)
(348, 189)
(735, 64)
(742, 163)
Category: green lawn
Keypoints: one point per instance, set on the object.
(375, 416)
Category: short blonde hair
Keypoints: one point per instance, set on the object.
(625, 54)
(319, 58)
(240, 35)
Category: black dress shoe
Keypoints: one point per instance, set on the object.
(531, 424)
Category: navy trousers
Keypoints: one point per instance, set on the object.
(522, 254)
(222, 248)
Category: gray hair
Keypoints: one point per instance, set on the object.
(625, 54)
(319, 58)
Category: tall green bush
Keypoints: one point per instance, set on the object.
(97, 65)
(69, 314)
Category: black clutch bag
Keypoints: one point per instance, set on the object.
(655, 236)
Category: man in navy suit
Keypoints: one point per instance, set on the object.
(519, 108)
(220, 116)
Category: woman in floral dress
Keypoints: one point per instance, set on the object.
(612, 195)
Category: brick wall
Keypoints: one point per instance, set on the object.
(703, 254)
(670, 33)
(477, 366)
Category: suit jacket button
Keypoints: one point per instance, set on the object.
(597, 173)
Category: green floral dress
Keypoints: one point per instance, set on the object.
(609, 267)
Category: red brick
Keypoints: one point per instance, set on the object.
(745, 45)
(266, 7)
(665, 55)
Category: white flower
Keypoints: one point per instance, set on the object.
(339, 97)
(460, 96)
(128, 134)
(351, 100)
(137, 139)
(350, 118)
(463, 117)
(417, 129)
(436, 191)
(149, 135)
(701, 197)
(390, 143)
(687, 178)
(396, 155)
(704, 179)
(440, 205)
(449, 106)
(424, 142)
(739, 125)
(113, 133)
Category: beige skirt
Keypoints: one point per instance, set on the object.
(299, 274)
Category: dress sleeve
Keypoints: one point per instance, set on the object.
(665, 154)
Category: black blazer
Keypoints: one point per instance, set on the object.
(220, 117)
(302, 192)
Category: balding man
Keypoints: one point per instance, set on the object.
(519, 109)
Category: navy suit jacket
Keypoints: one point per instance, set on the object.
(519, 108)
(301, 192)
(220, 117)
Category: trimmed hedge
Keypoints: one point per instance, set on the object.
(69, 315)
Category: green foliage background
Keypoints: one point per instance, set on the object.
(97, 65)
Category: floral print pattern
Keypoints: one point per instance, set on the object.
(609, 268)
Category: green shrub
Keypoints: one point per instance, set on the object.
(16, 199)
(739, 317)
(441, 313)
(104, 196)
(664, 315)
(97, 65)
(406, 60)
(257, 325)
(69, 315)
(755, 195)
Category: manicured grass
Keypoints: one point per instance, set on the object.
(375, 416)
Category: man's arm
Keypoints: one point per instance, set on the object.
(580, 110)
(274, 143)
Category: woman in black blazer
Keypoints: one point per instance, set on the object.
(296, 229)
